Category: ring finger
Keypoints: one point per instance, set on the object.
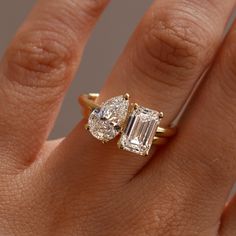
(169, 51)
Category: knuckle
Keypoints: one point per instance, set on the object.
(38, 59)
(173, 43)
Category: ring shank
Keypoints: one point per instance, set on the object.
(88, 104)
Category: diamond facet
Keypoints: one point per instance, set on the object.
(105, 123)
(140, 130)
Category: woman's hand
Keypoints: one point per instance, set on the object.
(79, 186)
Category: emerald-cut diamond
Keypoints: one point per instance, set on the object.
(140, 130)
(106, 121)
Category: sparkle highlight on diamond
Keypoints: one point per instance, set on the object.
(105, 123)
(140, 130)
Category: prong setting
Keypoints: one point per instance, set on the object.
(120, 146)
(161, 115)
(87, 127)
(126, 96)
(136, 106)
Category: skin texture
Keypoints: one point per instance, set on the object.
(77, 185)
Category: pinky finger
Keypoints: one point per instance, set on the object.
(228, 223)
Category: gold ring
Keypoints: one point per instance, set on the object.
(138, 126)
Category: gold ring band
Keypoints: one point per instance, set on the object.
(89, 105)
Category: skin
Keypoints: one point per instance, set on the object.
(78, 186)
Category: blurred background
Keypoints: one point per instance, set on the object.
(105, 45)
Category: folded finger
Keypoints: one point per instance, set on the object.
(37, 69)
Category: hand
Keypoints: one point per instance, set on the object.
(78, 186)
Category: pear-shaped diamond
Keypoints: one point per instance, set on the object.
(105, 122)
